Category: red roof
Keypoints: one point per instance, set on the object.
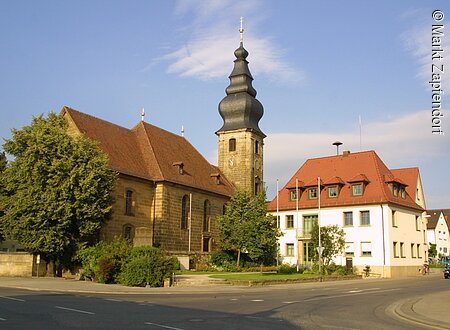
(149, 152)
(364, 167)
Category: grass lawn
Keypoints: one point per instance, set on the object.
(264, 276)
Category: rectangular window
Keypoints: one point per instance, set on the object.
(349, 249)
(348, 219)
(289, 221)
(312, 193)
(293, 194)
(365, 218)
(357, 189)
(232, 145)
(129, 202)
(333, 191)
(394, 219)
(366, 249)
(256, 147)
(417, 223)
(403, 192)
(289, 249)
(418, 252)
(308, 222)
(413, 250)
(402, 250)
(395, 249)
(395, 189)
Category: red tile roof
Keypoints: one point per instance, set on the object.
(149, 152)
(434, 217)
(356, 167)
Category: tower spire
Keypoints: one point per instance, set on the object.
(241, 31)
(142, 114)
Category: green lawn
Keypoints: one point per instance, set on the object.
(263, 276)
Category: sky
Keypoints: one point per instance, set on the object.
(318, 67)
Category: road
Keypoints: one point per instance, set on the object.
(355, 304)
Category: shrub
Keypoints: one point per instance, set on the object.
(287, 269)
(104, 261)
(219, 258)
(147, 266)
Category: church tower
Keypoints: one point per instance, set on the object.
(240, 139)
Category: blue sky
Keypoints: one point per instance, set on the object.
(317, 65)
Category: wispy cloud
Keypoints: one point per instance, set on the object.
(211, 36)
(417, 41)
(404, 141)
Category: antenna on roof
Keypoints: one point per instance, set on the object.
(142, 114)
(182, 130)
(337, 144)
(241, 30)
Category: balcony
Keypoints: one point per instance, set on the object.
(303, 234)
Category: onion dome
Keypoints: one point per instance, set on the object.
(240, 109)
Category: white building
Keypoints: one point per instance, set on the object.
(438, 230)
(380, 210)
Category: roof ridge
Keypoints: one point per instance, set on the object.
(351, 153)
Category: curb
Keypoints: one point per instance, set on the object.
(397, 310)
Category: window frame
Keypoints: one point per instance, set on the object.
(206, 216)
(366, 253)
(292, 194)
(354, 186)
(129, 202)
(413, 250)
(395, 250)
(184, 212)
(232, 144)
(290, 249)
(289, 218)
(329, 189)
(310, 193)
(361, 218)
(394, 218)
(345, 218)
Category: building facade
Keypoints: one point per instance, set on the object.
(381, 212)
(438, 231)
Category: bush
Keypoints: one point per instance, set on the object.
(219, 258)
(147, 266)
(104, 261)
(287, 269)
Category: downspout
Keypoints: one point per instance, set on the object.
(384, 244)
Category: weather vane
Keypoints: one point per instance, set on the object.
(241, 30)
(142, 114)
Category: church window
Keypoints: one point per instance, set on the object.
(232, 145)
(206, 244)
(128, 232)
(257, 185)
(184, 212)
(256, 147)
(129, 202)
(206, 215)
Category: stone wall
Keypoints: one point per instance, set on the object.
(19, 264)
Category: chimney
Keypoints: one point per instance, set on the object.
(346, 153)
(180, 166)
(216, 176)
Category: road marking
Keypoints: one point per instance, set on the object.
(2, 319)
(290, 302)
(362, 290)
(257, 300)
(233, 299)
(111, 299)
(162, 326)
(74, 310)
(11, 298)
(349, 294)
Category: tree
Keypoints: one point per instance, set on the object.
(246, 227)
(332, 241)
(432, 251)
(3, 163)
(58, 189)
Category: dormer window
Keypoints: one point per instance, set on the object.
(293, 194)
(180, 167)
(312, 193)
(216, 177)
(403, 192)
(395, 189)
(333, 191)
(357, 189)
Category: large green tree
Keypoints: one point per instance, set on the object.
(246, 227)
(332, 240)
(3, 163)
(58, 189)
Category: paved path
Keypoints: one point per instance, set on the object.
(429, 311)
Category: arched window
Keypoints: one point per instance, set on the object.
(128, 232)
(184, 212)
(257, 185)
(232, 145)
(129, 202)
(206, 215)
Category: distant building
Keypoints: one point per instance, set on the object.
(380, 210)
(438, 230)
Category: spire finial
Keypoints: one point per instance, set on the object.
(142, 114)
(182, 130)
(241, 30)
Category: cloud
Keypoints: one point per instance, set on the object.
(403, 141)
(212, 36)
(417, 41)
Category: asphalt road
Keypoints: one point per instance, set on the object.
(338, 305)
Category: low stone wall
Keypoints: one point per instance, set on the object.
(22, 264)
(390, 271)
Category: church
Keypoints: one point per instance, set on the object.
(167, 194)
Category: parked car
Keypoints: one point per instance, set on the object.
(447, 272)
